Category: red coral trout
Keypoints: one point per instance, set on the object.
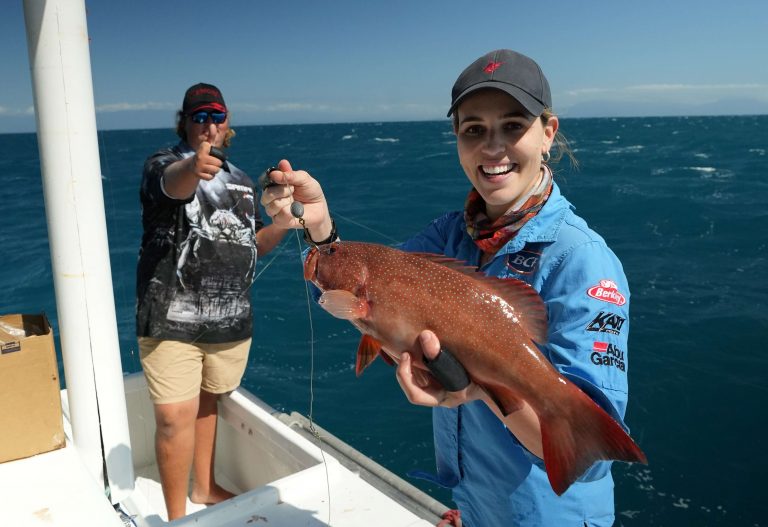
(489, 324)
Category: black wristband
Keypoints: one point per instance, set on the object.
(448, 371)
(334, 236)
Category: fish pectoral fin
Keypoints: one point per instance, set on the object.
(343, 304)
(367, 351)
(504, 398)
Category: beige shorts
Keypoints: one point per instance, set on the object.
(176, 371)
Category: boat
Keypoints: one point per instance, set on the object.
(286, 469)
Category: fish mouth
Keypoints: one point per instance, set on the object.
(310, 265)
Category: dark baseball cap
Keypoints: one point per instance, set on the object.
(510, 72)
(203, 96)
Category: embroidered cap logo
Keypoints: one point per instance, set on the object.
(492, 66)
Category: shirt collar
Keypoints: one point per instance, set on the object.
(544, 227)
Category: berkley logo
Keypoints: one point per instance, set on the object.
(607, 291)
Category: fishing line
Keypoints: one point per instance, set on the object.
(276, 252)
(109, 216)
(353, 222)
(315, 433)
(280, 249)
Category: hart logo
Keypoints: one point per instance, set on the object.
(607, 291)
(606, 354)
(606, 322)
(492, 66)
(525, 261)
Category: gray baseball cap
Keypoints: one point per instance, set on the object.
(510, 72)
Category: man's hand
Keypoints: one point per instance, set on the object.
(205, 165)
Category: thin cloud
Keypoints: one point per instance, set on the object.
(696, 91)
(133, 107)
(347, 109)
(281, 107)
(29, 110)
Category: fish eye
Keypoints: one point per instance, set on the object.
(328, 249)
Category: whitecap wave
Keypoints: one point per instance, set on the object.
(634, 149)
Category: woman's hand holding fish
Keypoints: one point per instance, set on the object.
(423, 389)
(297, 185)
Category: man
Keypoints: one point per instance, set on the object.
(202, 235)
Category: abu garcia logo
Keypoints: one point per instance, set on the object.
(606, 354)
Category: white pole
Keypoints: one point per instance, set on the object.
(57, 38)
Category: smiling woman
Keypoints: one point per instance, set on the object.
(505, 447)
(501, 147)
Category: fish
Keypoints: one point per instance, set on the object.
(491, 326)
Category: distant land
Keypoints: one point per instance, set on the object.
(640, 109)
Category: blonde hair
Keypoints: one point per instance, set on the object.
(181, 130)
(560, 142)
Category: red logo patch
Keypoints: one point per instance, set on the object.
(607, 291)
(600, 347)
(492, 66)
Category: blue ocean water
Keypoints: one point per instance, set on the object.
(682, 201)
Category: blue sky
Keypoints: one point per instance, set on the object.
(303, 61)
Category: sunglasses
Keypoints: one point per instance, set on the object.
(202, 117)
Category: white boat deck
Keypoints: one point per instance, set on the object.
(53, 489)
(283, 476)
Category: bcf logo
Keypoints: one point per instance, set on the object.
(523, 262)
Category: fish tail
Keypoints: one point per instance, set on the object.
(585, 433)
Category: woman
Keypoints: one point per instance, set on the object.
(515, 223)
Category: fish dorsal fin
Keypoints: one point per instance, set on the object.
(515, 292)
(452, 263)
(526, 301)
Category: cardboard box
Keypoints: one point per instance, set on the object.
(30, 403)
